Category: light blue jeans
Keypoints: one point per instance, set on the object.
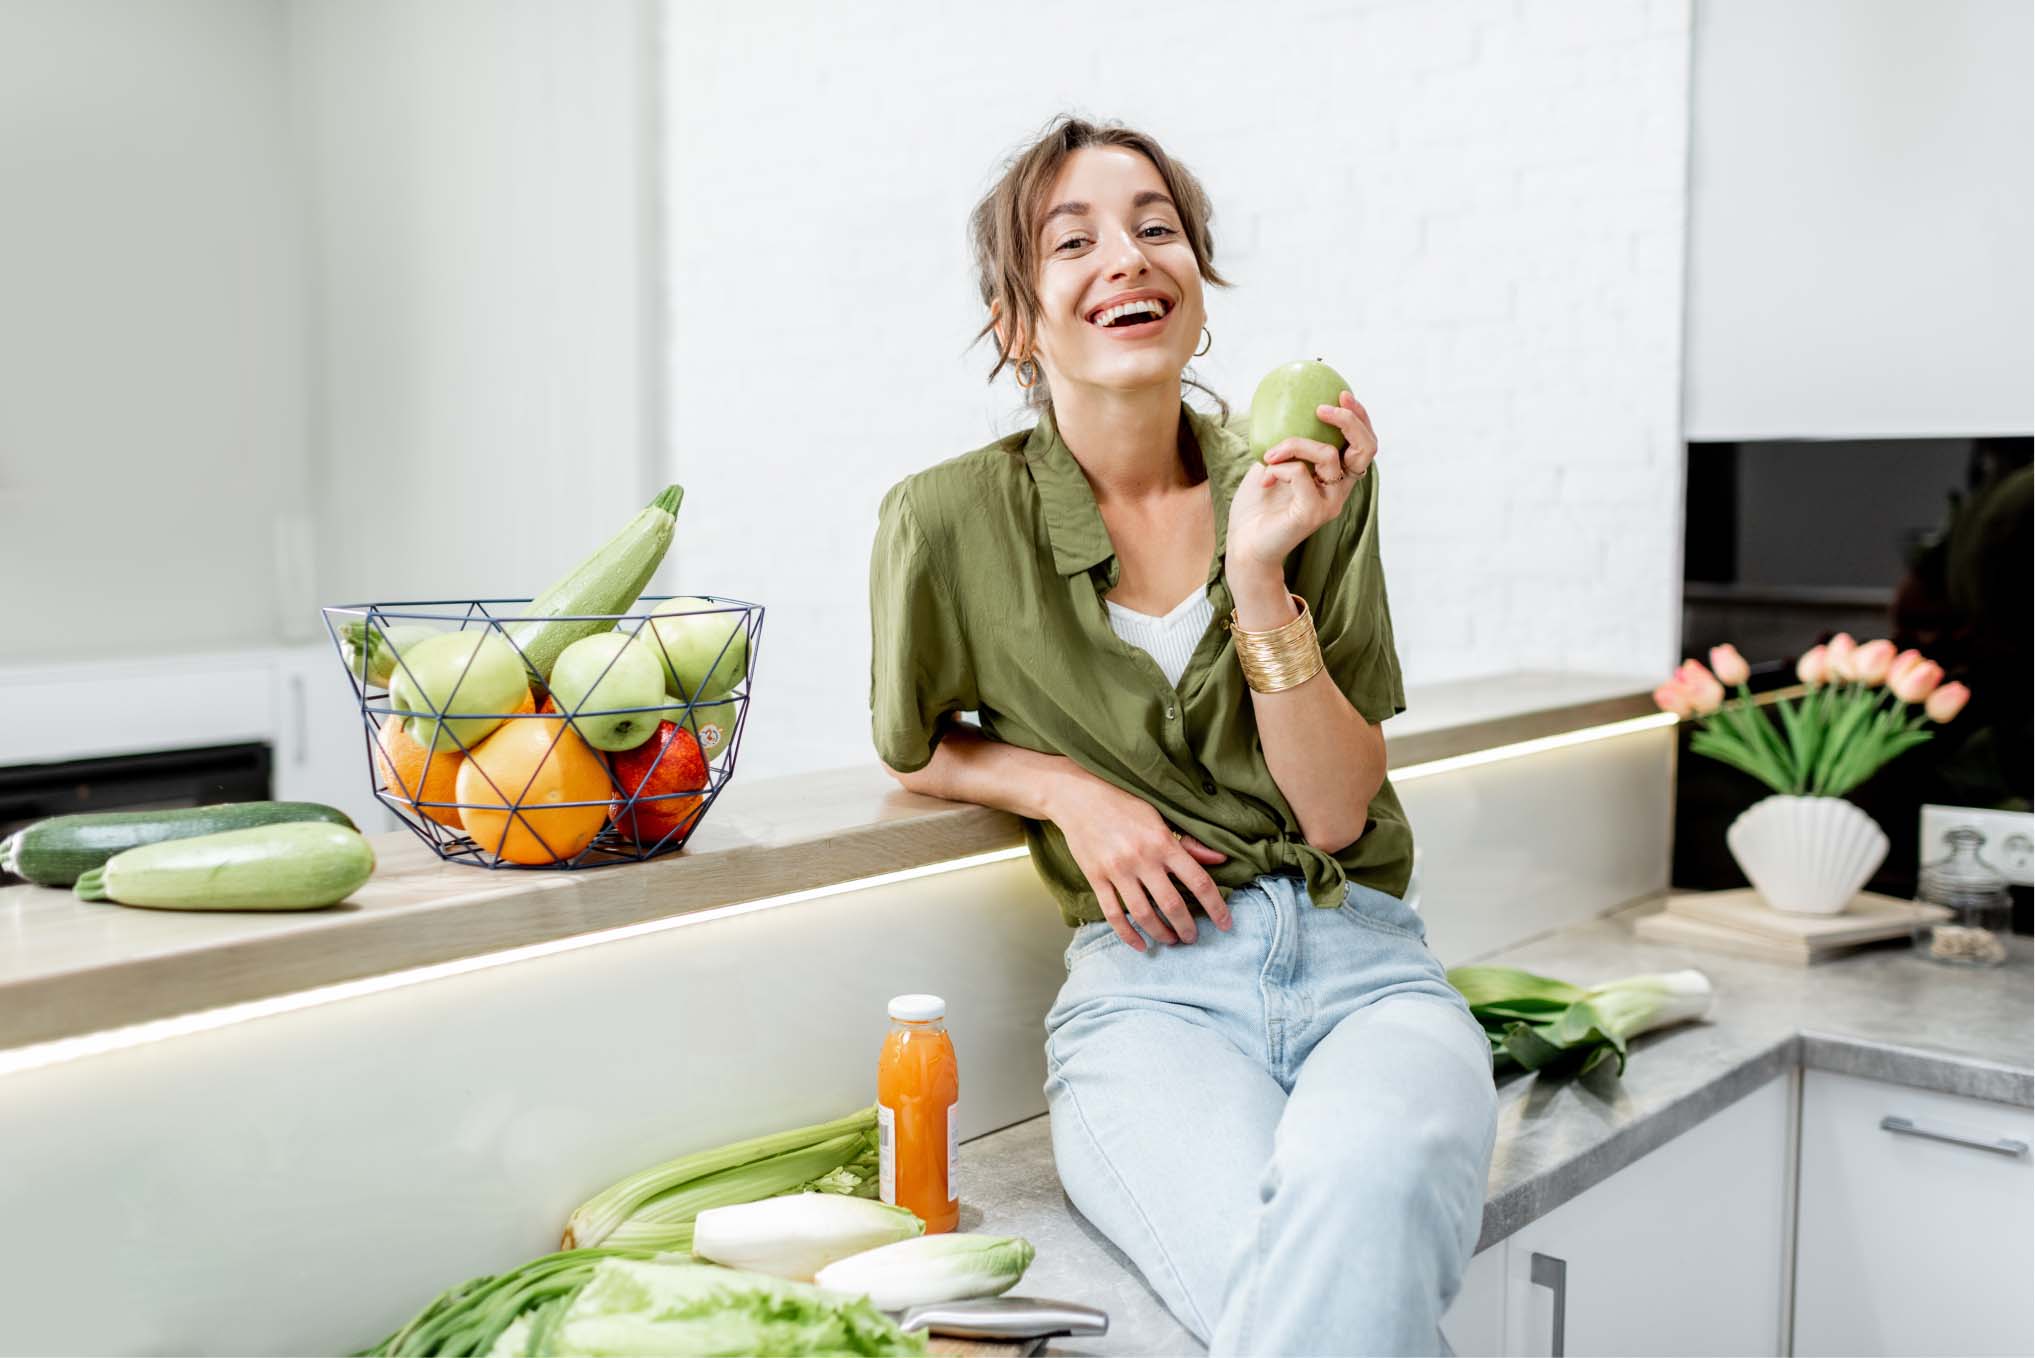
(1287, 1127)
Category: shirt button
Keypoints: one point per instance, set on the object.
(1170, 709)
(1208, 786)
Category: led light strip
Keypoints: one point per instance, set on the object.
(1652, 721)
(60, 1050)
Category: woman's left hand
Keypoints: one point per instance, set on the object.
(1300, 486)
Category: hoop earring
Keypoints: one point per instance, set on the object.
(1021, 374)
(1207, 345)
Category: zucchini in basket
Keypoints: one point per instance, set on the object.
(53, 852)
(301, 866)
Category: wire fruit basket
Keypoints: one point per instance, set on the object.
(495, 763)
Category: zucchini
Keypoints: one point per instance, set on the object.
(609, 581)
(53, 852)
(299, 866)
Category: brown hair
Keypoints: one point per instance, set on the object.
(1006, 243)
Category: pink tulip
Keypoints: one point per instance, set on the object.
(1704, 691)
(1729, 664)
(1917, 681)
(1869, 663)
(1814, 666)
(1947, 702)
(1903, 662)
(1672, 697)
(1840, 650)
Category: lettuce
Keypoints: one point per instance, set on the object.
(632, 1306)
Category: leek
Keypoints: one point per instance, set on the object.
(797, 1236)
(598, 1218)
(930, 1268)
(1539, 1023)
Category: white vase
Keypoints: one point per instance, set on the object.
(1806, 855)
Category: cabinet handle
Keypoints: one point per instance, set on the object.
(299, 711)
(1553, 1273)
(2003, 1145)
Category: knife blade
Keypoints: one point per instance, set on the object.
(1004, 1318)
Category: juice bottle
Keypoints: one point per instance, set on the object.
(917, 1087)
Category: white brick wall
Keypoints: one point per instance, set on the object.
(1474, 209)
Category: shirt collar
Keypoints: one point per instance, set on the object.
(1073, 521)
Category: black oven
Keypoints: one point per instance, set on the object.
(132, 782)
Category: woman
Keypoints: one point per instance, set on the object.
(1180, 659)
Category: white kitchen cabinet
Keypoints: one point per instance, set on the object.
(1475, 1322)
(1908, 1242)
(318, 739)
(1680, 1252)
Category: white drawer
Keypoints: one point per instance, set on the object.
(1907, 1243)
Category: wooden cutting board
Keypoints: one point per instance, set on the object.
(1740, 922)
(1869, 916)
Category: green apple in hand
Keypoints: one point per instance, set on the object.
(598, 677)
(705, 654)
(470, 672)
(1283, 406)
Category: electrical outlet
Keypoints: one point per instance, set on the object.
(2010, 838)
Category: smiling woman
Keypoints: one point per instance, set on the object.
(1180, 657)
(1014, 230)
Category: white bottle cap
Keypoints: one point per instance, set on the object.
(918, 1008)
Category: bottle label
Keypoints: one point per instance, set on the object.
(953, 1147)
(886, 1152)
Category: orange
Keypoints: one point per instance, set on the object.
(401, 762)
(526, 768)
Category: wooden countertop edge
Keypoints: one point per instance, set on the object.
(759, 850)
(526, 909)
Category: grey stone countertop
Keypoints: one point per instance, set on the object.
(1884, 1013)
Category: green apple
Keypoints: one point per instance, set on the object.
(1283, 406)
(711, 723)
(470, 672)
(602, 676)
(687, 638)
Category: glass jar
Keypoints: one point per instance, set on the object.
(1981, 908)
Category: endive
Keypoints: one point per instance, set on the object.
(930, 1268)
(798, 1235)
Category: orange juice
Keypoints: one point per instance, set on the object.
(917, 1087)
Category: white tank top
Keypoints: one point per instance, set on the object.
(1169, 640)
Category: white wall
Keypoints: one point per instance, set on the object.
(1860, 217)
(1474, 210)
(152, 448)
(481, 283)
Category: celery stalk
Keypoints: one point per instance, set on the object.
(665, 1222)
(594, 1220)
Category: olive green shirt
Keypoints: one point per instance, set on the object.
(986, 590)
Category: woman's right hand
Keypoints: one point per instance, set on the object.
(1126, 849)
